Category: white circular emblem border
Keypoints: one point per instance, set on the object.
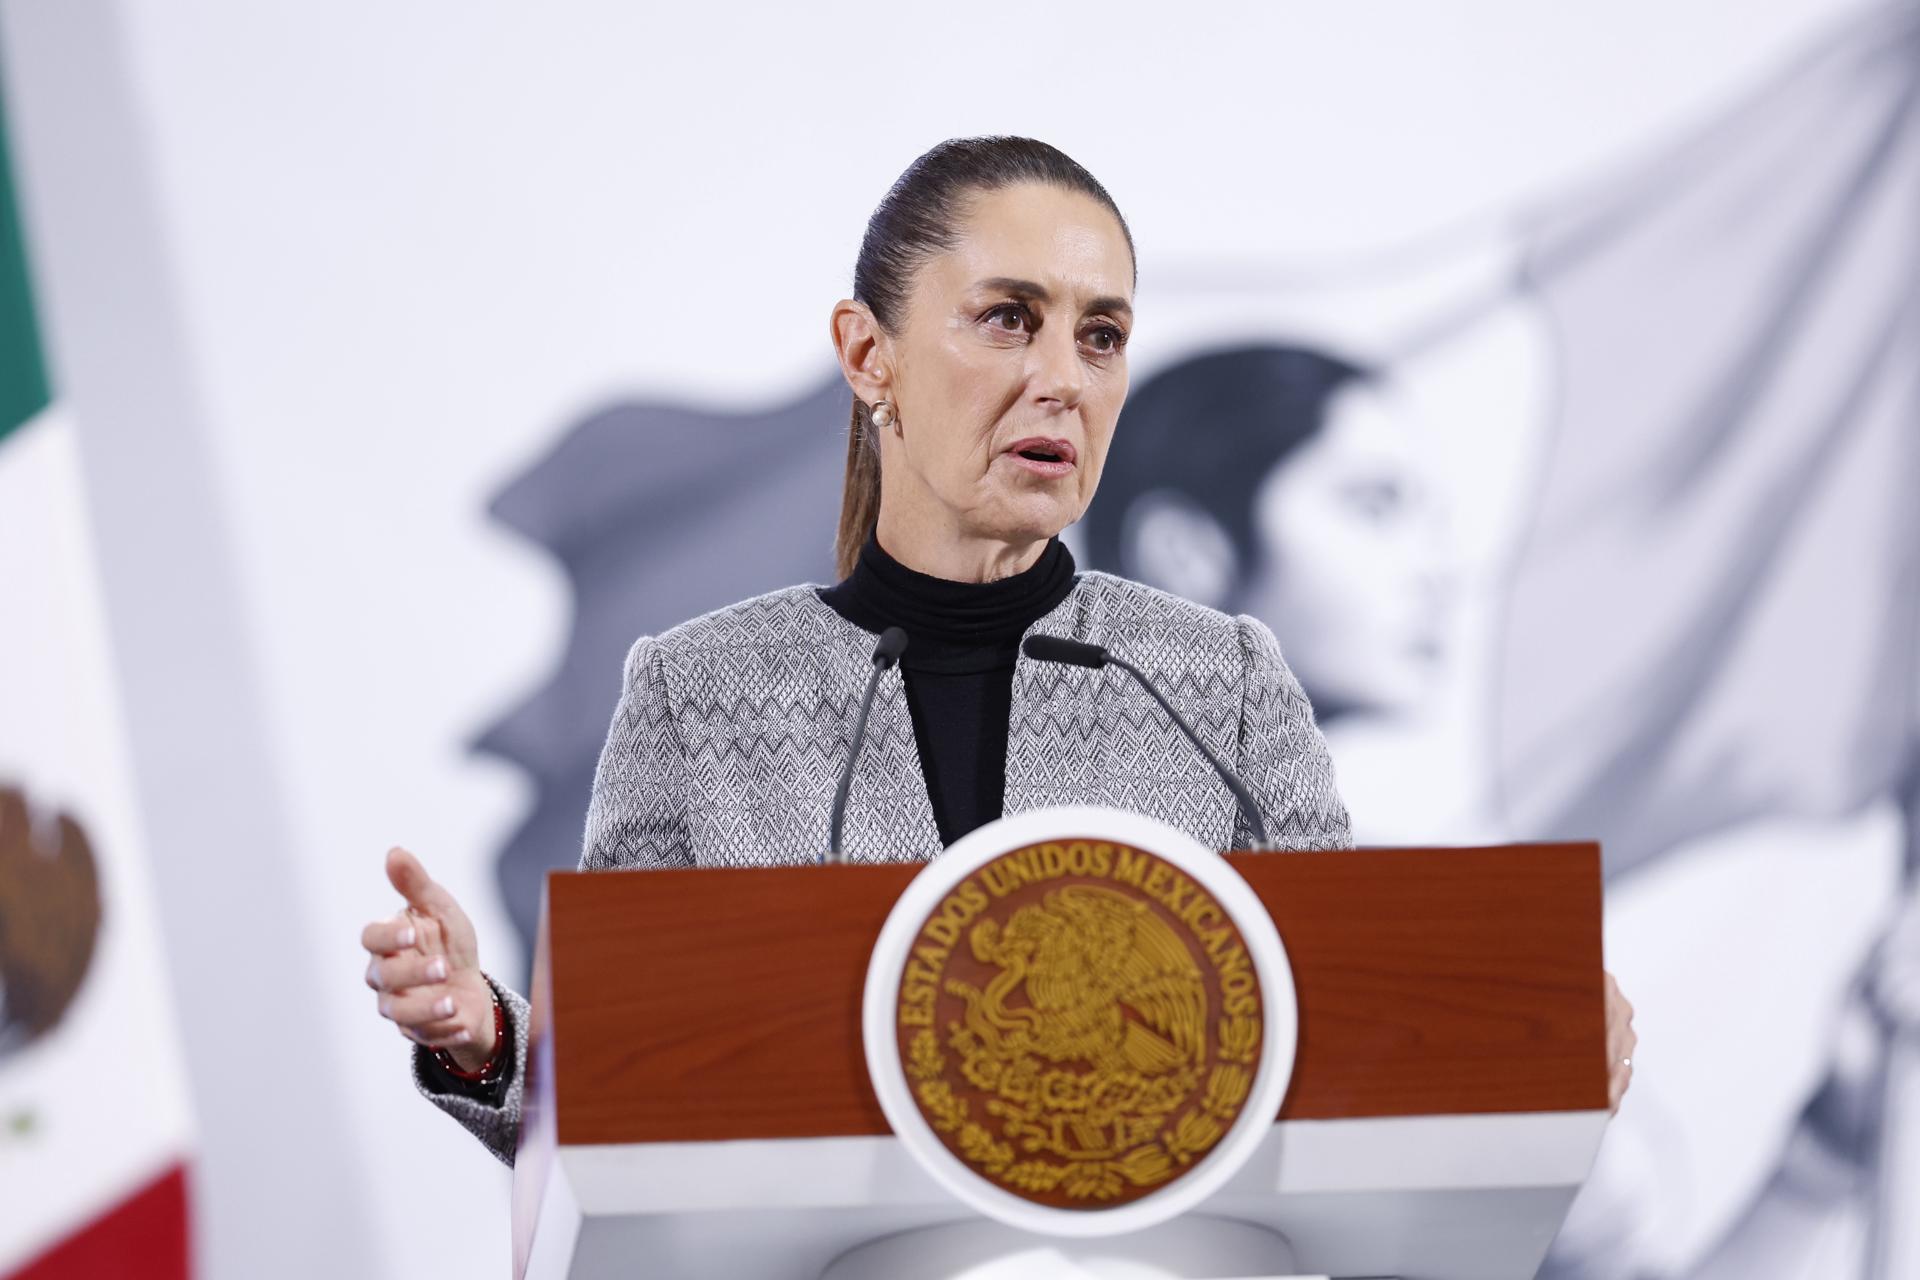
(1280, 1021)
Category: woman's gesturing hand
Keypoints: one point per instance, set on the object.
(425, 966)
(1620, 1044)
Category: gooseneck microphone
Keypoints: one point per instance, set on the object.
(1080, 654)
(892, 643)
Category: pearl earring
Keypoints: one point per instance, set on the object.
(881, 415)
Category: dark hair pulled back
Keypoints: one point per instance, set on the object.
(919, 219)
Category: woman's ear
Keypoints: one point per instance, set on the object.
(1168, 540)
(862, 348)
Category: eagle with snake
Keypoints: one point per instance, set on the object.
(1106, 982)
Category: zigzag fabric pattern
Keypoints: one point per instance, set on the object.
(731, 730)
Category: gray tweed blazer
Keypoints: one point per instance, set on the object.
(731, 731)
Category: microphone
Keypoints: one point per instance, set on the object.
(1077, 653)
(892, 643)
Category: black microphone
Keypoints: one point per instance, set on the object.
(893, 643)
(1080, 654)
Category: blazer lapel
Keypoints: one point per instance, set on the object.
(1079, 736)
(1051, 734)
(896, 788)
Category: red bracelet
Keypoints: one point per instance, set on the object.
(495, 1065)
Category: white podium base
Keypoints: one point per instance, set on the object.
(1190, 1248)
(1475, 1197)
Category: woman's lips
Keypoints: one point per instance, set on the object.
(1043, 456)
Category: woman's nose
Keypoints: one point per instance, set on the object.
(1060, 376)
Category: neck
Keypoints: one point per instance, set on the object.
(940, 554)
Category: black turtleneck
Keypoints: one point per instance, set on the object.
(962, 640)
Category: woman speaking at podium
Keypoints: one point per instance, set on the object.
(986, 346)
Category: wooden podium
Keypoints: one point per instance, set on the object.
(697, 1102)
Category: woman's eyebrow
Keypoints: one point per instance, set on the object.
(1038, 292)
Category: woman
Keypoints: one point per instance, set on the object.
(1281, 481)
(986, 348)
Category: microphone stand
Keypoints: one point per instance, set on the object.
(1079, 654)
(892, 643)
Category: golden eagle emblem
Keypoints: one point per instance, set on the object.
(1106, 982)
(1075, 1050)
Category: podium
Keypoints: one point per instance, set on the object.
(698, 1105)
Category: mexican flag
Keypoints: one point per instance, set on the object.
(94, 1125)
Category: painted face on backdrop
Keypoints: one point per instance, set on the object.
(1340, 546)
(1352, 570)
(1010, 370)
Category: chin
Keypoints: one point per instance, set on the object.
(1029, 521)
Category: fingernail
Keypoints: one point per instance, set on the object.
(436, 969)
(462, 1036)
(444, 1007)
(373, 973)
(386, 1007)
(406, 936)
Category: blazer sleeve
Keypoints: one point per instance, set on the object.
(635, 818)
(491, 1114)
(1283, 756)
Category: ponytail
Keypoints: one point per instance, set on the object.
(860, 494)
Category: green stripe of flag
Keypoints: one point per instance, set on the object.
(23, 369)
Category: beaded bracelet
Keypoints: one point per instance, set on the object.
(496, 1065)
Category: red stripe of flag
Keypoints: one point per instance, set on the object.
(142, 1238)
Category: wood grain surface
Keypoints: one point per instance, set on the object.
(712, 1004)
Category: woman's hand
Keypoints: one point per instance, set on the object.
(426, 967)
(1621, 1041)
